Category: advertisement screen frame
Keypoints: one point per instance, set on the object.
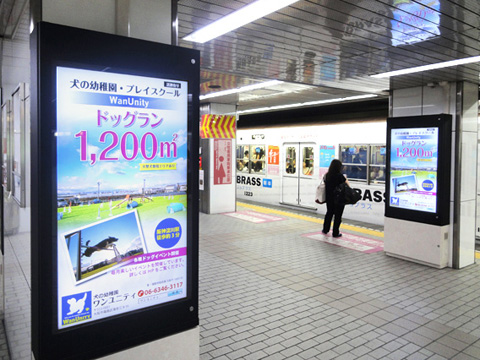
(442, 122)
(59, 46)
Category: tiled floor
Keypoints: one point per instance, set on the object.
(3, 345)
(266, 292)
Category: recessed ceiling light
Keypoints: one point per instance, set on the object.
(242, 89)
(237, 19)
(416, 69)
(309, 103)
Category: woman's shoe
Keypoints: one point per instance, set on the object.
(325, 232)
(338, 235)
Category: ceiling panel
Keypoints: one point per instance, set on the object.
(10, 16)
(331, 47)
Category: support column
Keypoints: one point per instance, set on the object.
(461, 101)
(218, 170)
(465, 171)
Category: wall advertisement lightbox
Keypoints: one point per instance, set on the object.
(114, 216)
(418, 168)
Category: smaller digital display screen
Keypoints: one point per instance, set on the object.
(413, 169)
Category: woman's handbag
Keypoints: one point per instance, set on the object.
(321, 193)
(344, 194)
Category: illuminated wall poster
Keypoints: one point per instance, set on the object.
(273, 159)
(327, 154)
(413, 168)
(222, 159)
(121, 193)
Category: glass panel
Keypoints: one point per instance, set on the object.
(357, 172)
(242, 166)
(258, 166)
(308, 161)
(378, 154)
(377, 163)
(257, 159)
(353, 154)
(290, 158)
(377, 173)
(242, 158)
(242, 152)
(354, 159)
(257, 152)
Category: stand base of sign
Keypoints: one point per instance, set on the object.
(181, 346)
(418, 242)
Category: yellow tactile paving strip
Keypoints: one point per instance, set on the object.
(311, 219)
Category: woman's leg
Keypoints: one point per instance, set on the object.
(328, 217)
(338, 219)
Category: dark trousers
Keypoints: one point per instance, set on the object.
(333, 211)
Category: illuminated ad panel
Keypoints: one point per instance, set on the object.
(413, 169)
(415, 21)
(121, 193)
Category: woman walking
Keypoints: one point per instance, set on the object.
(333, 178)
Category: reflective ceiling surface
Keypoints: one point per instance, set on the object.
(326, 49)
(10, 16)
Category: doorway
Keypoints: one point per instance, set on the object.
(298, 180)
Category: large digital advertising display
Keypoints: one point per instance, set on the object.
(121, 192)
(418, 168)
(114, 144)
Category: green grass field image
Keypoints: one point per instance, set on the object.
(75, 217)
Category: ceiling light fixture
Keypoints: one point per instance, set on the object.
(242, 89)
(237, 19)
(441, 65)
(309, 103)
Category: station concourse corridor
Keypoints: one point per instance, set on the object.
(272, 287)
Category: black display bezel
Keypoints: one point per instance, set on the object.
(53, 46)
(444, 124)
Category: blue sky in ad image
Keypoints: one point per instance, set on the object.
(101, 140)
(414, 148)
(124, 228)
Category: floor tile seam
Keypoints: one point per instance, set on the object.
(458, 330)
(294, 288)
(18, 263)
(432, 341)
(253, 256)
(344, 225)
(396, 324)
(225, 258)
(392, 320)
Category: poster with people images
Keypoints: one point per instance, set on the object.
(413, 173)
(121, 193)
